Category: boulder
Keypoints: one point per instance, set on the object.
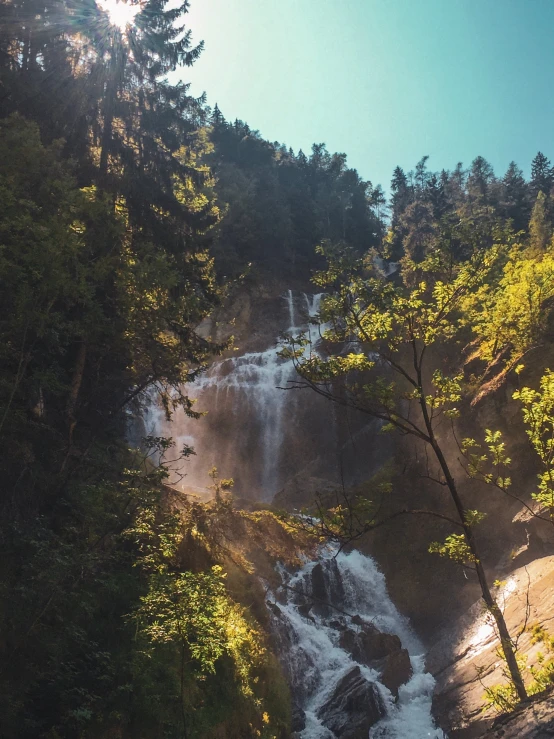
(319, 591)
(397, 670)
(368, 644)
(353, 708)
(298, 719)
(304, 611)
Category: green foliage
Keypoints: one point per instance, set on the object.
(507, 314)
(538, 415)
(503, 698)
(278, 205)
(454, 547)
(480, 462)
(115, 614)
(472, 517)
(448, 392)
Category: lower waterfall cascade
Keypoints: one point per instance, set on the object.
(314, 613)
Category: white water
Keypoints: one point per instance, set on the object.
(246, 393)
(317, 663)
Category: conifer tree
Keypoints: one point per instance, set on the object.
(542, 175)
(479, 180)
(514, 197)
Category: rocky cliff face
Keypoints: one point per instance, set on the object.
(534, 720)
(465, 660)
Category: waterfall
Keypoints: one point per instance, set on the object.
(355, 668)
(290, 303)
(254, 430)
(337, 633)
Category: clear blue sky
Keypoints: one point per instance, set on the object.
(385, 81)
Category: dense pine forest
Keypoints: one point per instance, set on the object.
(129, 212)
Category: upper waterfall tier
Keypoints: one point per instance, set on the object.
(257, 429)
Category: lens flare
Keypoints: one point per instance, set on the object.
(121, 14)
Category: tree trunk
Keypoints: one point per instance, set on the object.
(109, 104)
(490, 601)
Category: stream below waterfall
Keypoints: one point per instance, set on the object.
(319, 616)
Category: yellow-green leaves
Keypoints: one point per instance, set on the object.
(488, 466)
(538, 415)
(448, 390)
(455, 548)
(507, 313)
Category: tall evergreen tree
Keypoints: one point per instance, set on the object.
(542, 175)
(479, 180)
(515, 197)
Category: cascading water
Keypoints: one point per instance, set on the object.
(334, 620)
(338, 667)
(252, 427)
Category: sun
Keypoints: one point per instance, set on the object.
(121, 14)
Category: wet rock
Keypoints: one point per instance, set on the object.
(531, 720)
(304, 611)
(354, 707)
(368, 644)
(336, 587)
(274, 608)
(319, 591)
(397, 671)
(298, 719)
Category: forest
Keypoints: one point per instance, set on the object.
(131, 211)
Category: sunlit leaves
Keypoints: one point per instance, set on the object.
(473, 517)
(192, 610)
(448, 391)
(508, 313)
(391, 326)
(538, 415)
(487, 464)
(454, 547)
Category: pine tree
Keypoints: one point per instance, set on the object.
(401, 197)
(421, 175)
(436, 193)
(217, 118)
(542, 175)
(514, 197)
(479, 181)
